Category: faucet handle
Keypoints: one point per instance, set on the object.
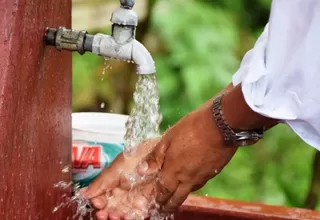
(127, 4)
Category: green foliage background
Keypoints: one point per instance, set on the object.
(197, 46)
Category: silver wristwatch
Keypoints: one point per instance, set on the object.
(231, 137)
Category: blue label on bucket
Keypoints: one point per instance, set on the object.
(90, 158)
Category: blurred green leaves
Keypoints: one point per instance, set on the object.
(200, 41)
(202, 44)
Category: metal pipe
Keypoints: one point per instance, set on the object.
(121, 44)
(66, 39)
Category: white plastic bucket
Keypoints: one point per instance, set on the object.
(97, 138)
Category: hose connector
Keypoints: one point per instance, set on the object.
(67, 39)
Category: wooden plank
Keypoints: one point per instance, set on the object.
(35, 110)
(206, 208)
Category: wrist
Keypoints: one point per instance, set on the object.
(239, 115)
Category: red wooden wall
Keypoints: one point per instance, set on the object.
(35, 109)
(35, 123)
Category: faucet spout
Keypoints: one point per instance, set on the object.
(142, 58)
(121, 44)
(107, 46)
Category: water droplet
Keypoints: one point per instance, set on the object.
(83, 205)
(66, 169)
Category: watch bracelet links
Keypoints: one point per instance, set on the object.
(229, 135)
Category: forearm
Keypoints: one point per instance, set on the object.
(239, 115)
(278, 75)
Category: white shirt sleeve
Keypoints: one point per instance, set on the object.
(280, 76)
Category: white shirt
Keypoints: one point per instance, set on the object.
(280, 76)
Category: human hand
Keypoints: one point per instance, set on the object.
(187, 156)
(112, 192)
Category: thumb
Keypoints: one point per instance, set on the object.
(154, 160)
(108, 179)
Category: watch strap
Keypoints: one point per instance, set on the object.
(230, 136)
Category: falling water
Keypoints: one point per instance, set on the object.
(143, 123)
(145, 117)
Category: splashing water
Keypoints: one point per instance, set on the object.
(145, 117)
(83, 205)
(143, 123)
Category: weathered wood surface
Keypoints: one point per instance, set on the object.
(35, 110)
(218, 209)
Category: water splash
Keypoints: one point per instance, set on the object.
(143, 123)
(83, 205)
(145, 117)
(66, 169)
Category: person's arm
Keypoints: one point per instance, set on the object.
(240, 116)
(279, 77)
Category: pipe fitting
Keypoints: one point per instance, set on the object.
(67, 39)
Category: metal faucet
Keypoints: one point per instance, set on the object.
(121, 44)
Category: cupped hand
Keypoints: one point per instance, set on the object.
(183, 160)
(113, 191)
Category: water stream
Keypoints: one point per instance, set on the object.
(145, 117)
(143, 123)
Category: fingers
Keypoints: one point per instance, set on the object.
(102, 215)
(166, 185)
(115, 215)
(137, 162)
(135, 214)
(108, 179)
(178, 197)
(120, 205)
(154, 160)
(99, 202)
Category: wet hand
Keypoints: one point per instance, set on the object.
(112, 191)
(187, 156)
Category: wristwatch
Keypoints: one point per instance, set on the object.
(232, 137)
